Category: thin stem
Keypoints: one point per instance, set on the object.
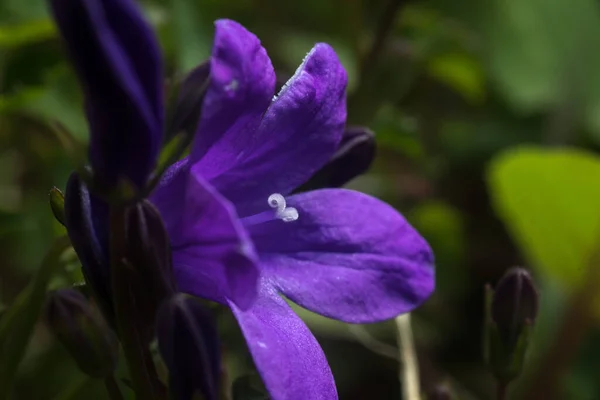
(409, 369)
(363, 103)
(383, 31)
(501, 390)
(376, 346)
(112, 387)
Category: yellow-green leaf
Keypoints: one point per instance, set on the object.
(549, 200)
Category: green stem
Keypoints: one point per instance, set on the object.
(409, 370)
(143, 374)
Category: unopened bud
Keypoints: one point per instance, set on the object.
(189, 345)
(353, 157)
(84, 238)
(148, 254)
(80, 328)
(511, 311)
(514, 304)
(185, 104)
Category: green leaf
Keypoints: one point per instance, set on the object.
(193, 41)
(18, 321)
(17, 35)
(543, 50)
(60, 100)
(462, 73)
(443, 227)
(549, 200)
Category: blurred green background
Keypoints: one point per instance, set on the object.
(487, 118)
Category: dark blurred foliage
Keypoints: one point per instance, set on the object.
(444, 85)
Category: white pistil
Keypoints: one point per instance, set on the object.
(281, 211)
(286, 214)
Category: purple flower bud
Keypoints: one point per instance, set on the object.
(81, 329)
(184, 110)
(148, 253)
(353, 157)
(514, 304)
(188, 343)
(82, 229)
(117, 59)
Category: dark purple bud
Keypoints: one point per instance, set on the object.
(514, 305)
(80, 328)
(189, 345)
(83, 230)
(117, 59)
(353, 157)
(148, 254)
(57, 204)
(184, 109)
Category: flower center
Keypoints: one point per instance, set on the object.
(280, 211)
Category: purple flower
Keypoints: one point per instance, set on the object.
(231, 217)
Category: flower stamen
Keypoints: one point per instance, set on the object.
(286, 214)
(281, 211)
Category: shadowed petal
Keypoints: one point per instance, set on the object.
(352, 158)
(286, 354)
(348, 256)
(169, 196)
(299, 133)
(212, 255)
(242, 85)
(186, 100)
(117, 59)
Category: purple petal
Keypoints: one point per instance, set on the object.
(298, 134)
(169, 196)
(117, 59)
(212, 256)
(241, 88)
(348, 256)
(286, 354)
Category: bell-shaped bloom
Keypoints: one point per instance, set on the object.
(230, 211)
(116, 57)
